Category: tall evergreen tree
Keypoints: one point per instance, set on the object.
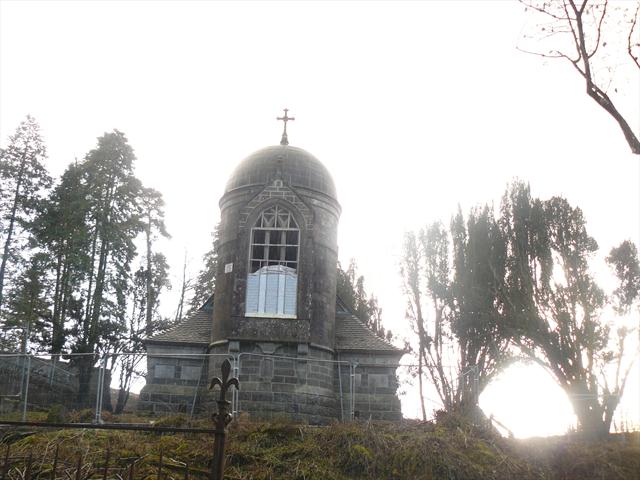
(350, 288)
(452, 280)
(113, 220)
(206, 280)
(62, 231)
(27, 309)
(23, 178)
(556, 309)
(153, 220)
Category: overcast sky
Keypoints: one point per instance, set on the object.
(415, 108)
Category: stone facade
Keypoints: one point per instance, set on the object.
(315, 365)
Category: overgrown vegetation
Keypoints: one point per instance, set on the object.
(449, 449)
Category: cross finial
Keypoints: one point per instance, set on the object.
(285, 119)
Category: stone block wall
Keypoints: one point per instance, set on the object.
(298, 382)
(290, 381)
(375, 385)
(175, 377)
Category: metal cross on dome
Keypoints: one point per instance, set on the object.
(285, 119)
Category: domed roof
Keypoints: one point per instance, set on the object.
(295, 166)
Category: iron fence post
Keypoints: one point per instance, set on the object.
(221, 419)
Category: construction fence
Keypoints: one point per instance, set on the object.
(47, 388)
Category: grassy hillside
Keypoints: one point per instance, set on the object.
(449, 450)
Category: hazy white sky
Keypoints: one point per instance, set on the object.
(414, 108)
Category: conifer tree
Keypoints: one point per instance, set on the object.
(451, 280)
(23, 178)
(153, 220)
(350, 289)
(558, 312)
(27, 310)
(63, 233)
(206, 280)
(114, 220)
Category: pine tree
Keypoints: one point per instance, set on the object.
(27, 309)
(206, 280)
(153, 220)
(114, 220)
(350, 289)
(62, 231)
(23, 178)
(556, 310)
(451, 280)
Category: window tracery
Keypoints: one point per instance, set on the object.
(272, 280)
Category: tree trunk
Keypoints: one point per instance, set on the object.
(57, 335)
(590, 414)
(183, 290)
(12, 221)
(149, 277)
(85, 370)
(421, 388)
(121, 401)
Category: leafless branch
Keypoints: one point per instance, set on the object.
(630, 45)
(574, 16)
(533, 6)
(540, 54)
(599, 30)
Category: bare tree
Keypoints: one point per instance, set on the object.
(187, 286)
(597, 38)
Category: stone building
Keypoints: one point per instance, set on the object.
(297, 349)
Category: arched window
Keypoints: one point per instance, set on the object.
(272, 282)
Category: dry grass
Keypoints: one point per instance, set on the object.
(448, 450)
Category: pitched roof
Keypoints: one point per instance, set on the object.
(195, 330)
(351, 333)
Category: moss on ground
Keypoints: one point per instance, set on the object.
(283, 451)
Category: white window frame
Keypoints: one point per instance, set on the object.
(273, 257)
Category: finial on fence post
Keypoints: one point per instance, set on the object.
(222, 418)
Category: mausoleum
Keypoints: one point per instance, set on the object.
(296, 349)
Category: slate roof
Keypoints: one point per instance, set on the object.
(194, 330)
(351, 333)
